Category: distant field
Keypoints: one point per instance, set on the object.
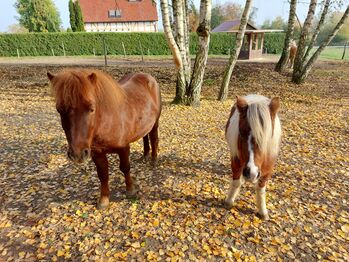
(334, 52)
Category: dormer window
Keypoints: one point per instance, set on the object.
(114, 13)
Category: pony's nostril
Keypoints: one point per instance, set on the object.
(246, 172)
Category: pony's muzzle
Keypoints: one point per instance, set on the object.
(79, 157)
(246, 172)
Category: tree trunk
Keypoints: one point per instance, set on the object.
(169, 34)
(317, 30)
(297, 69)
(282, 63)
(223, 93)
(299, 78)
(176, 51)
(183, 78)
(203, 32)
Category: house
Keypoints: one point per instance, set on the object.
(253, 44)
(119, 15)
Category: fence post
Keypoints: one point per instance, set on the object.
(123, 47)
(63, 48)
(53, 53)
(94, 52)
(345, 47)
(17, 52)
(140, 45)
(105, 53)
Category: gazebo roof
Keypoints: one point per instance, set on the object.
(256, 31)
(233, 27)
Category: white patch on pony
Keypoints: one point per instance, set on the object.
(261, 205)
(234, 190)
(251, 165)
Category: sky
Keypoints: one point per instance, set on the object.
(267, 9)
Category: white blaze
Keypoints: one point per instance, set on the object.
(251, 165)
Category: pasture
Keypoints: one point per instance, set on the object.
(48, 205)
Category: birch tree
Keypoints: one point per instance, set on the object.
(223, 93)
(188, 86)
(282, 63)
(203, 32)
(304, 62)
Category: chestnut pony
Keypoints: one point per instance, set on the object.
(101, 116)
(253, 133)
(292, 54)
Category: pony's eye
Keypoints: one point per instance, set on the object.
(92, 110)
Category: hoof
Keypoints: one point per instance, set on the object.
(144, 158)
(103, 203)
(154, 162)
(263, 216)
(132, 193)
(228, 204)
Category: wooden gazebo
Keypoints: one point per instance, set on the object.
(253, 43)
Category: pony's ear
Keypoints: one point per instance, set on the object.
(50, 76)
(274, 104)
(241, 104)
(93, 78)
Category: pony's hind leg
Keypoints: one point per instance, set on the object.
(101, 163)
(233, 191)
(146, 147)
(154, 141)
(124, 154)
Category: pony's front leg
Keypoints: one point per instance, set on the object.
(233, 191)
(101, 163)
(124, 154)
(261, 204)
(260, 197)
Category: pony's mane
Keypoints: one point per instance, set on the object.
(259, 119)
(72, 87)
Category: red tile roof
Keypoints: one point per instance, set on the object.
(131, 11)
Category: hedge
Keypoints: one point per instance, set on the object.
(82, 43)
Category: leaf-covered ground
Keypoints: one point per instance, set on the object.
(47, 204)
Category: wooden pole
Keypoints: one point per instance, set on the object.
(94, 52)
(345, 47)
(105, 53)
(63, 48)
(123, 47)
(140, 45)
(17, 52)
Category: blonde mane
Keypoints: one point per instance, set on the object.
(258, 116)
(71, 87)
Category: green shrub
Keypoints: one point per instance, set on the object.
(82, 43)
(274, 42)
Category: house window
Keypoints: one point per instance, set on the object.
(114, 13)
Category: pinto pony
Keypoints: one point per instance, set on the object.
(253, 133)
(101, 116)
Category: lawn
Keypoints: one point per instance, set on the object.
(334, 53)
(47, 204)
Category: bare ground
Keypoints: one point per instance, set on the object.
(47, 205)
